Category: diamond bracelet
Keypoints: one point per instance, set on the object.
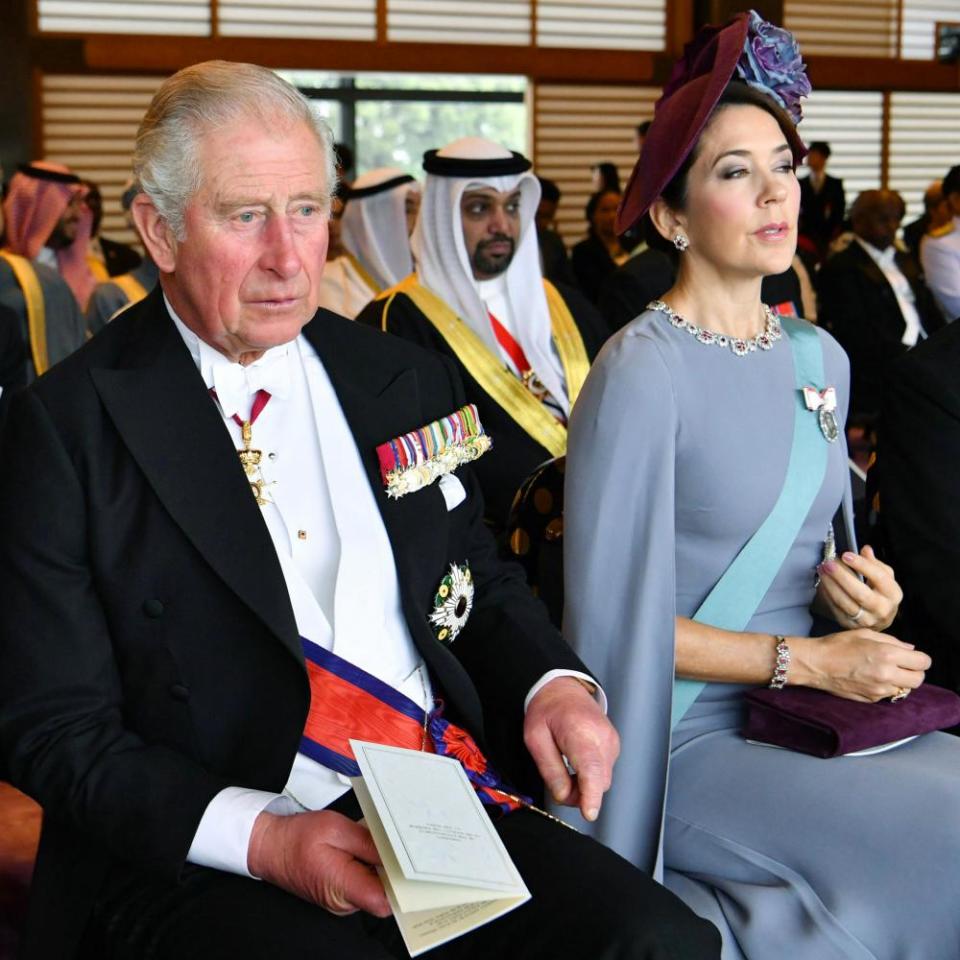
(779, 679)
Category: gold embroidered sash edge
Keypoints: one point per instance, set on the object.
(493, 376)
(363, 273)
(135, 291)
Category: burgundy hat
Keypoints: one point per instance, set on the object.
(764, 56)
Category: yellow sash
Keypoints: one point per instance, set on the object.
(26, 276)
(98, 269)
(492, 374)
(135, 291)
(363, 273)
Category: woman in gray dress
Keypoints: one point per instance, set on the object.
(679, 448)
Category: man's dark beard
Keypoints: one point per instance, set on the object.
(493, 266)
(59, 238)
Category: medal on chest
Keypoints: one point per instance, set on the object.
(824, 404)
(251, 458)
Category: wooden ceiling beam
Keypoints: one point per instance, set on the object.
(152, 55)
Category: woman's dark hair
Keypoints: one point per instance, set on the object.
(609, 177)
(736, 94)
(593, 203)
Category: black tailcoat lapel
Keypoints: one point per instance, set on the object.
(160, 406)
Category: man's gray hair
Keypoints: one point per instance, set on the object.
(201, 98)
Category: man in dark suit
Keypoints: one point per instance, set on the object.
(822, 202)
(13, 358)
(161, 593)
(917, 462)
(554, 259)
(873, 300)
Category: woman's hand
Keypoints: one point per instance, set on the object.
(854, 603)
(857, 664)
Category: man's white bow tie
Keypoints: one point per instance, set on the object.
(236, 386)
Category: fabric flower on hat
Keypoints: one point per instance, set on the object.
(771, 62)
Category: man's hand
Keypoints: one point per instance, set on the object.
(322, 857)
(563, 720)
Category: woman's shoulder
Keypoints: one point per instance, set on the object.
(641, 353)
(835, 360)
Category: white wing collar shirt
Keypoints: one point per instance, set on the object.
(884, 259)
(517, 298)
(334, 553)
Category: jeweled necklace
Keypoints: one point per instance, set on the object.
(740, 348)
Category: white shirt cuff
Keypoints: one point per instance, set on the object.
(223, 838)
(598, 693)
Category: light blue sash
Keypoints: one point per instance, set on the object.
(737, 595)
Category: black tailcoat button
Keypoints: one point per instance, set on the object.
(179, 692)
(153, 608)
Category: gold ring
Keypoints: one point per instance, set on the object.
(901, 694)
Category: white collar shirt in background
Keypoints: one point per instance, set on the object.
(885, 260)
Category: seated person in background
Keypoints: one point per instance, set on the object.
(652, 271)
(600, 252)
(44, 274)
(936, 214)
(341, 288)
(918, 460)
(605, 176)
(107, 258)
(176, 594)
(940, 252)
(788, 854)
(119, 291)
(379, 216)
(554, 260)
(521, 345)
(873, 300)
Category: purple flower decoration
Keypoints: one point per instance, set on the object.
(771, 62)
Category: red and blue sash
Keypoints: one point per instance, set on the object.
(349, 703)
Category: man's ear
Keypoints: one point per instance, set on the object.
(666, 220)
(155, 232)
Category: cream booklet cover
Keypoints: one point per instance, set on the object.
(445, 868)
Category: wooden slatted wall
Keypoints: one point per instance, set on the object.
(843, 28)
(924, 143)
(613, 24)
(852, 123)
(89, 123)
(578, 126)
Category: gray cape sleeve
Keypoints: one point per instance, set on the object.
(620, 580)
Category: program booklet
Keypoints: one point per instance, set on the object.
(445, 868)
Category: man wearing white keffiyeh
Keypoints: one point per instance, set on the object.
(522, 346)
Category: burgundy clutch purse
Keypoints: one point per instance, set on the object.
(818, 723)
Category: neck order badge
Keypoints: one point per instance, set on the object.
(251, 458)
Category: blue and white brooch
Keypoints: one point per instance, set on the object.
(824, 404)
(452, 603)
(415, 459)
